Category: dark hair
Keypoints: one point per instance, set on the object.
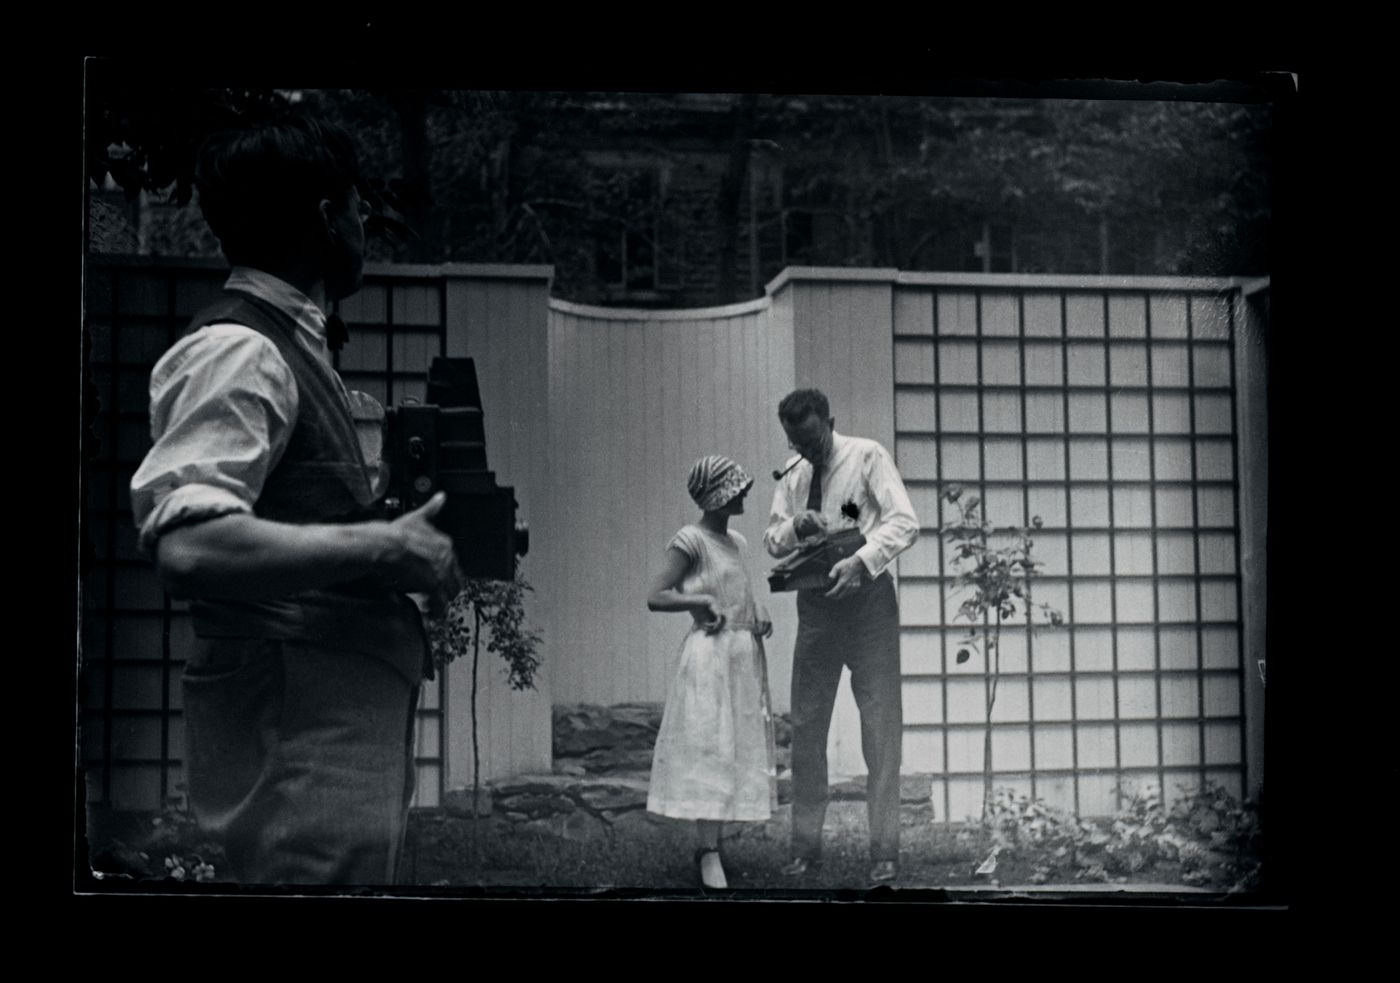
(797, 404)
(259, 185)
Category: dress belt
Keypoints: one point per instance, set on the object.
(749, 626)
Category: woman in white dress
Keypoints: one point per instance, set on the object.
(714, 759)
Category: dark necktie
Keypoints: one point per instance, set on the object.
(337, 334)
(814, 494)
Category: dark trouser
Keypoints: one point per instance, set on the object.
(860, 631)
(301, 759)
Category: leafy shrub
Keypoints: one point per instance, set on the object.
(168, 845)
(1206, 837)
(498, 606)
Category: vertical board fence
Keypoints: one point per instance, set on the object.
(637, 397)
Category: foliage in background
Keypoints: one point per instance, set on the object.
(498, 606)
(146, 136)
(1186, 185)
(997, 579)
(1205, 837)
(142, 137)
(1059, 185)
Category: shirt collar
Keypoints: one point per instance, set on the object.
(282, 295)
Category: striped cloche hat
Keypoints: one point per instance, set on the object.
(715, 480)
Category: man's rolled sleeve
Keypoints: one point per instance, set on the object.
(185, 505)
(222, 405)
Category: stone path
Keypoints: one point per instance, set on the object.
(602, 761)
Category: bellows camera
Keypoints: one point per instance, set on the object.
(440, 445)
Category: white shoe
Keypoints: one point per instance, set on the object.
(710, 870)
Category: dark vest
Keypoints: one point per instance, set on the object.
(321, 477)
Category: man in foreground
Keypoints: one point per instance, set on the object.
(258, 501)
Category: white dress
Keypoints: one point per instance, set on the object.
(714, 752)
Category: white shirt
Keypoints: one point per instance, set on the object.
(223, 405)
(858, 471)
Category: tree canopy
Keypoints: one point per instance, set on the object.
(1055, 185)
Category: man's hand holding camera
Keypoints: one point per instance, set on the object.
(421, 559)
(847, 575)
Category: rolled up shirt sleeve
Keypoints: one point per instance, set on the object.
(898, 526)
(223, 402)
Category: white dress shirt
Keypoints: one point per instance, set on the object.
(223, 405)
(860, 472)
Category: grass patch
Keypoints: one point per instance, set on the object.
(655, 855)
(1205, 843)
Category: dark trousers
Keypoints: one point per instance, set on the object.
(860, 631)
(300, 759)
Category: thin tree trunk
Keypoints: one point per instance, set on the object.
(893, 225)
(476, 747)
(500, 188)
(731, 190)
(411, 108)
(753, 230)
(994, 656)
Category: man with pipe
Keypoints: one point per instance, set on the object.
(843, 481)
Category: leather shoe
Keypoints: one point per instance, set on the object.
(884, 872)
(798, 866)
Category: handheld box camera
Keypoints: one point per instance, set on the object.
(810, 567)
(441, 445)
